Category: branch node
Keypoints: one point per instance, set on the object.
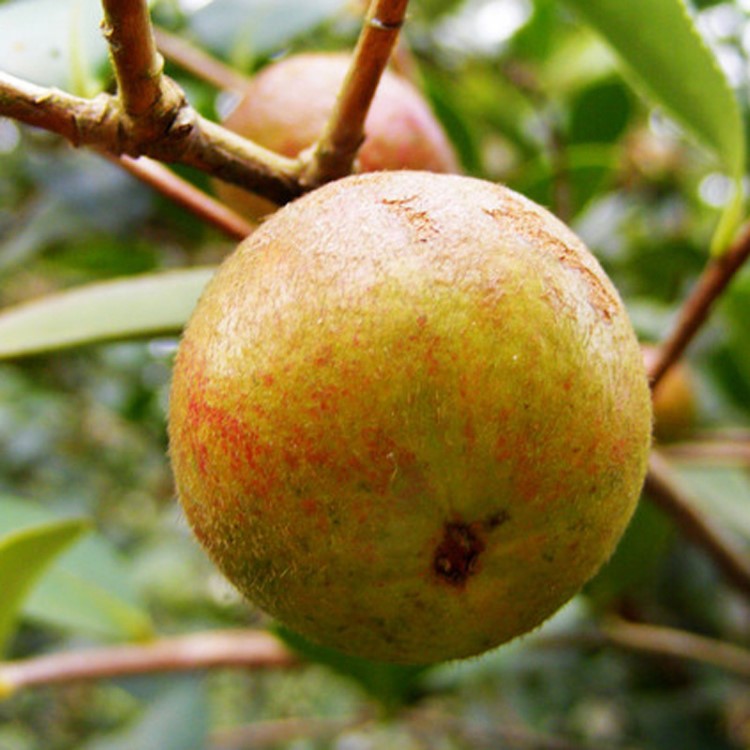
(377, 23)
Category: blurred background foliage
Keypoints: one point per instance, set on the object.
(531, 97)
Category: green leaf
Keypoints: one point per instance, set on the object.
(722, 492)
(588, 167)
(670, 61)
(176, 719)
(87, 590)
(136, 306)
(394, 685)
(24, 556)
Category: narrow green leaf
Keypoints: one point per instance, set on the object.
(87, 590)
(723, 492)
(135, 306)
(660, 46)
(24, 556)
(659, 43)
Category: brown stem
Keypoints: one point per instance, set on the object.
(663, 489)
(186, 195)
(711, 451)
(138, 66)
(656, 640)
(199, 63)
(230, 648)
(80, 121)
(694, 312)
(662, 641)
(215, 150)
(188, 139)
(337, 149)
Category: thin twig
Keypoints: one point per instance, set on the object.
(710, 451)
(663, 489)
(336, 151)
(694, 312)
(199, 63)
(186, 195)
(662, 641)
(138, 66)
(190, 139)
(230, 648)
(655, 640)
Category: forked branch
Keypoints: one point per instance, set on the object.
(138, 66)
(186, 137)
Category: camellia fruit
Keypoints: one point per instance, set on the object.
(409, 416)
(287, 105)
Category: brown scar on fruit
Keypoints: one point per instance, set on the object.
(526, 222)
(423, 226)
(457, 554)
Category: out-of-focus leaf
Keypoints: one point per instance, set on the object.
(600, 113)
(136, 306)
(52, 42)
(586, 168)
(177, 719)
(638, 554)
(392, 684)
(76, 195)
(24, 556)
(243, 29)
(683, 75)
(723, 492)
(86, 590)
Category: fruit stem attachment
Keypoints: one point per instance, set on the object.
(336, 151)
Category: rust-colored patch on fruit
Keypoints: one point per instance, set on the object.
(457, 555)
(527, 223)
(424, 227)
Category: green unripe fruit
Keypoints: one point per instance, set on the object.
(409, 416)
(287, 106)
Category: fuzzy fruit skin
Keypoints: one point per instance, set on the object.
(287, 105)
(409, 417)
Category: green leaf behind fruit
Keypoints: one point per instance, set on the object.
(682, 76)
(24, 556)
(87, 589)
(137, 306)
